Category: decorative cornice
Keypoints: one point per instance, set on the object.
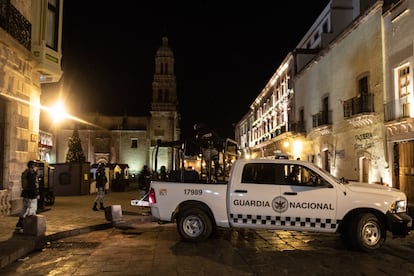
(320, 131)
(395, 128)
(362, 120)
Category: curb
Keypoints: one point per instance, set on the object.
(75, 232)
(21, 245)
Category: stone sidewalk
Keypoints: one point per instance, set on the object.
(69, 216)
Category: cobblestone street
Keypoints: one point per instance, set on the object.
(154, 249)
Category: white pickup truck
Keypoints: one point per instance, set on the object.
(287, 195)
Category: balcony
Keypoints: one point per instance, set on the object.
(322, 118)
(298, 127)
(14, 23)
(359, 105)
(278, 131)
(397, 109)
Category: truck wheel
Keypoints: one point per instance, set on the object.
(366, 232)
(194, 225)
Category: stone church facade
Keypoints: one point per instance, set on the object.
(128, 140)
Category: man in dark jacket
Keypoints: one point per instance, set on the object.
(100, 186)
(144, 178)
(30, 192)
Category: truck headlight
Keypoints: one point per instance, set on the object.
(399, 206)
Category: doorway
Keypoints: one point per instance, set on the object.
(365, 164)
(405, 167)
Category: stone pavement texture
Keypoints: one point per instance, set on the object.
(69, 216)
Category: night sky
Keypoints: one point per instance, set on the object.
(224, 54)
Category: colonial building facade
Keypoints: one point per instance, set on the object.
(341, 99)
(398, 22)
(30, 55)
(128, 140)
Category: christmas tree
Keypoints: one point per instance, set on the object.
(75, 151)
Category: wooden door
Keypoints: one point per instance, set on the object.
(406, 168)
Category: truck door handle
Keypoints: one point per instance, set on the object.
(290, 193)
(240, 191)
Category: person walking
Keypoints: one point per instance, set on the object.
(100, 186)
(30, 193)
(144, 178)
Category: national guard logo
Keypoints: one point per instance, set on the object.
(279, 204)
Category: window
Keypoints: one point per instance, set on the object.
(315, 36)
(281, 174)
(52, 27)
(294, 174)
(363, 85)
(164, 68)
(302, 115)
(325, 27)
(302, 176)
(404, 81)
(134, 143)
(325, 111)
(263, 173)
(258, 173)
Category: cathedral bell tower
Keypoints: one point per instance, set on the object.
(165, 118)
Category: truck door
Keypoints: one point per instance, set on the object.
(310, 201)
(252, 195)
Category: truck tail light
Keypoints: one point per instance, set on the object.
(151, 196)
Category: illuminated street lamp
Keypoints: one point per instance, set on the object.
(297, 149)
(58, 112)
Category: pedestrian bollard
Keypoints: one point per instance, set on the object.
(113, 213)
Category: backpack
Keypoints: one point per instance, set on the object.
(24, 179)
(100, 178)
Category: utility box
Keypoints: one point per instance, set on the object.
(71, 179)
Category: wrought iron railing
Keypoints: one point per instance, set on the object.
(396, 109)
(298, 127)
(358, 105)
(322, 118)
(13, 22)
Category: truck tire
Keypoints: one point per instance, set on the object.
(194, 225)
(366, 232)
